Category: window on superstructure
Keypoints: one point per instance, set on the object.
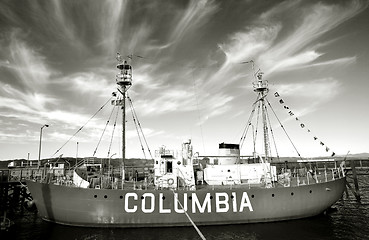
(169, 167)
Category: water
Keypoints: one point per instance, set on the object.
(348, 221)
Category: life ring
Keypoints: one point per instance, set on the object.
(170, 181)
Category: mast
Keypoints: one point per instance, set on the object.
(124, 125)
(261, 87)
(124, 82)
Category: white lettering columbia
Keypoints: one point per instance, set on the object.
(222, 203)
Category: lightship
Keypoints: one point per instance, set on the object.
(185, 189)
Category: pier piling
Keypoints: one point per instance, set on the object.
(355, 191)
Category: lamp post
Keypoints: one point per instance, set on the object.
(39, 147)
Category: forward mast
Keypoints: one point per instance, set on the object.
(124, 82)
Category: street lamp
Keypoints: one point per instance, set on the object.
(39, 148)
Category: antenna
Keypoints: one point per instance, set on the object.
(119, 57)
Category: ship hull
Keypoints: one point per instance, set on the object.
(158, 208)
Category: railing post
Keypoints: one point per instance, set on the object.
(307, 176)
(298, 180)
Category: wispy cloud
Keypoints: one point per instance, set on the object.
(86, 83)
(276, 48)
(316, 20)
(64, 26)
(112, 17)
(55, 55)
(335, 62)
(283, 38)
(247, 45)
(27, 64)
(194, 17)
(295, 61)
(24, 101)
(313, 89)
(316, 92)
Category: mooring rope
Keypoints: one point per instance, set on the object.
(189, 218)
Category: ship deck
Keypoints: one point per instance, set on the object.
(284, 180)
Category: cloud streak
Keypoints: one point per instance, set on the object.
(27, 64)
(194, 17)
(57, 61)
(274, 47)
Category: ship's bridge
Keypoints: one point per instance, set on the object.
(173, 171)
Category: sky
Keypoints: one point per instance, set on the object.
(192, 75)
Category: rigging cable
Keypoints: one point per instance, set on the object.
(272, 132)
(106, 125)
(258, 116)
(136, 126)
(82, 126)
(302, 125)
(198, 112)
(112, 134)
(284, 129)
(246, 129)
(139, 125)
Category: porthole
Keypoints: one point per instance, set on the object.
(311, 191)
(95, 196)
(252, 196)
(190, 197)
(121, 197)
(291, 193)
(142, 197)
(232, 196)
(211, 197)
(163, 197)
(105, 196)
(273, 195)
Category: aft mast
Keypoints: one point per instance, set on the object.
(261, 88)
(124, 82)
